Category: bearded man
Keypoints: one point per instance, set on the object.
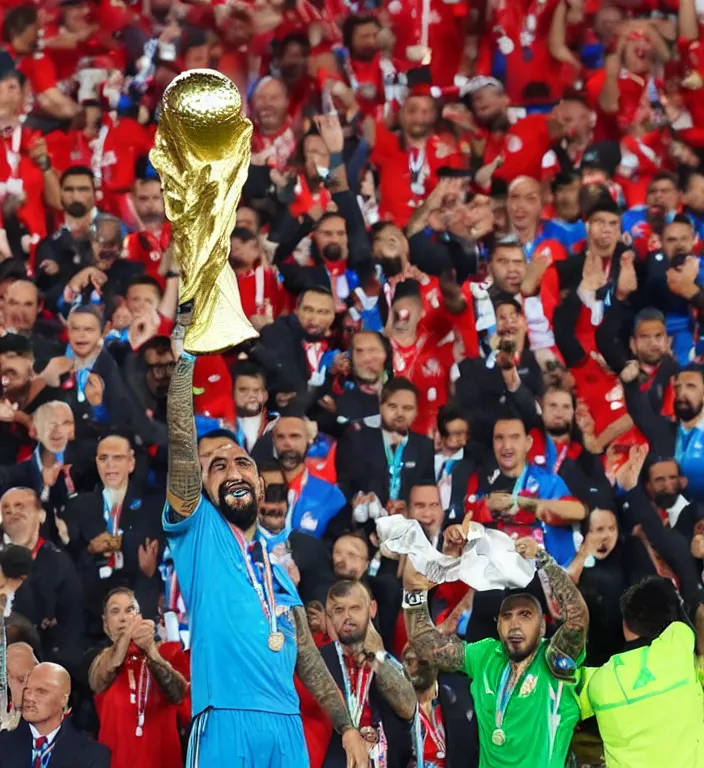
(248, 626)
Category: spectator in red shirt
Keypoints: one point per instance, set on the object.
(21, 33)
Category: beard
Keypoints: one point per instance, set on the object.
(685, 411)
(353, 638)
(245, 412)
(76, 209)
(391, 265)
(367, 376)
(559, 430)
(332, 252)
(241, 513)
(518, 656)
(665, 499)
(290, 459)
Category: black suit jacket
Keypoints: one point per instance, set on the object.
(72, 750)
(397, 731)
(280, 352)
(140, 519)
(362, 466)
(460, 721)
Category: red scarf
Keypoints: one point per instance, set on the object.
(282, 145)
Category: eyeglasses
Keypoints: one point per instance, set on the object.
(162, 368)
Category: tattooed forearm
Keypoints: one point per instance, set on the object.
(571, 637)
(184, 481)
(446, 652)
(396, 688)
(105, 667)
(316, 677)
(172, 683)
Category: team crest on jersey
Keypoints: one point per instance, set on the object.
(532, 486)
(528, 685)
(514, 144)
(431, 367)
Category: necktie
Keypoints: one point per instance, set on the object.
(41, 747)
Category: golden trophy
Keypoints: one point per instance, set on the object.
(201, 152)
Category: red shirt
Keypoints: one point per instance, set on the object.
(358, 678)
(433, 733)
(445, 25)
(38, 68)
(611, 126)
(398, 200)
(427, 366)
(145, 248)
(159, 746)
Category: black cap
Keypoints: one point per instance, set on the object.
(243, 234)
(14, 342)
(602, 156)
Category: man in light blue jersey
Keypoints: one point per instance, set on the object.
(248, 627)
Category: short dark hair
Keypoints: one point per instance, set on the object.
(159, 344)
(17, 20)
(118, 591)
(648, 315)
(345, 587)
(88, 309)
(145, 280)
(663, 176)
(397, 384)
(248, 368)
(446, 414)
(78, 170)
(350, 25)
(649, 607)
(509, 415)
(506, 242)
(359, 535)
(692, 368)
(220, 432)
(502, 299)
(681, 218)
(320, 290)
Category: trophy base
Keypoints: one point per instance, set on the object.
(219, 324)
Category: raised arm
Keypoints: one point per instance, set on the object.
(447, 652)
(106, 665)
(567, 644)
(184, 484)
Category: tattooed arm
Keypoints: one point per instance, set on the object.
(172, 683)
(184, 479)
(568, 643)
(396, 688)
(106, 665)
(446, 652)
(316, 676)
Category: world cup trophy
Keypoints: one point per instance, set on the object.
(201, 152)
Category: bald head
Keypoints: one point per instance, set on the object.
(20, 662)
(55, 425)
(46, 696)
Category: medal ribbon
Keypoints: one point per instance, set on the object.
(266, 595)
(434, 729)
(395, 462)
(504, 696)
(143, 686)
(357, 699)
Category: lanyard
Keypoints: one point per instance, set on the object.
(265, 595)
(434, 729)
(40, 543)
(395, 461)
(111, 515)
(561, 456)
(520, 484)
(139, 693)
(314, 354)
(399, 362)
(504, 695)
(355, 699)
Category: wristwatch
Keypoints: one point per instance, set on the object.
(43, 163)
(414, 599)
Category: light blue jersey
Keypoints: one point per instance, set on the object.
(232, 666)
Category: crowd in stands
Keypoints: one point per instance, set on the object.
(470, 243)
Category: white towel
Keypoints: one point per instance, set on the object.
(489, 560)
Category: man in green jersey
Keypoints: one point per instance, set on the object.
(522, 684)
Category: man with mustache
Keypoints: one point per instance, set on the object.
(245, 612)
(523, 685)
(683, 438)
(379, 698)
(313, 503)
